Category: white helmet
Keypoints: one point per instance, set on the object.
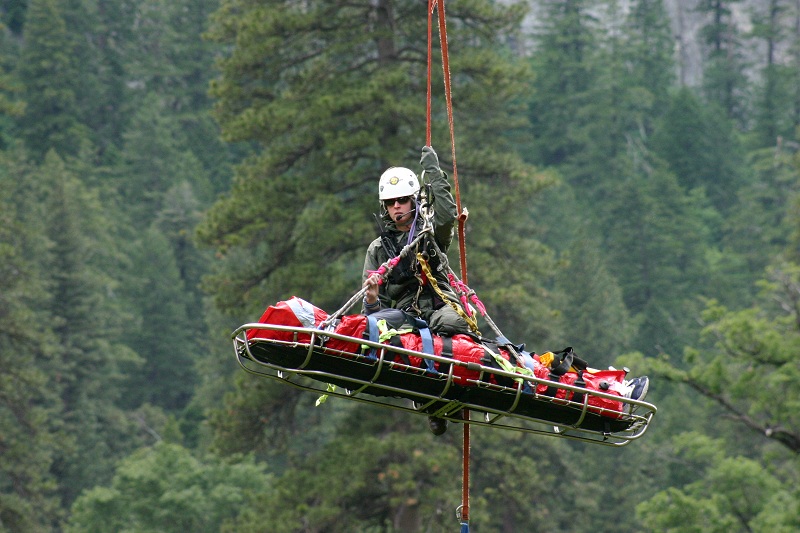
(397, 182)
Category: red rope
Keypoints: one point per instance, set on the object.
(449, 99)
(461, 218)
(431, 4)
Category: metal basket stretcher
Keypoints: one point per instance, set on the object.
(306, 363)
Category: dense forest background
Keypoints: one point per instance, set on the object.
(169, 168)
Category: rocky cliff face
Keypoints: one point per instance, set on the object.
(687, 21)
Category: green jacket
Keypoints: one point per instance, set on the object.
(404, 295)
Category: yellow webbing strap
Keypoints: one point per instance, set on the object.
(471, 322)
(508, 367)
(385, 333)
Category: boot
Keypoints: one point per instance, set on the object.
(437, 425)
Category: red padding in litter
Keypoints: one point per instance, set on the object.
(294, 312)
(613, 380)
(465, 349)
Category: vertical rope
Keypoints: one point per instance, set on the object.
(449, 100)
(461, 220)
(431, 5)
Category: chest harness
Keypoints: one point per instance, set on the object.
(409, 267)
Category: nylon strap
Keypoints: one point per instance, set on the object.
(427, 341)
(379, 331)
(471, 322)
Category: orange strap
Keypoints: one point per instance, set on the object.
(439, 4)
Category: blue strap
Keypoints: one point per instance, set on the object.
(464, 527)
(528, 360)
(374, 336)
(427, 347)
(427, 341)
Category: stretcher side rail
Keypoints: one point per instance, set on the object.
(380, 380)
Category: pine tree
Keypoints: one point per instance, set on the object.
(87, 319)
(180, 214)
(165, 488)
(745, 365)
(657, 252)
(648, 53)
(565, 75)
(169, 63)
(14, 15)
(596, 322)
(49, 74)
(164, 334)
(28, 436)
(762, 227)
(724, 80)
(699, 145)
(775, 104)
(11, 106)
(156, 158)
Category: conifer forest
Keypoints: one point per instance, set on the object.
(171, 168)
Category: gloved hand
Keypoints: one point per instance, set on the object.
(429, 160)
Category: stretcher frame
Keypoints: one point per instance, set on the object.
(379, 380)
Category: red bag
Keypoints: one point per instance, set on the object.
(352, 326)
(607, 381)
(294, 312)
(356, 325)
(413, 342)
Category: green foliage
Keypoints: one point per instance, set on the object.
(748, 368)
(164, 336)
(14, 14)
(102, 85)
(700, 148)
(777, 110)
(598, 325)
(648, 51)
(167, 57)
(165, 488)
(766, 215)
(387, 484)
(158, 160)
(724, 78)
(733, 493)
(565, 76)
(27, 439)
(656, 252)
(50, 76)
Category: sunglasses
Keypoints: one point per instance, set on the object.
(402, 200)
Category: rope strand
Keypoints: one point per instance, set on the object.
(464, 508)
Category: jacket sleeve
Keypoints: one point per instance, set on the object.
(372, 261)
(444, 207)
